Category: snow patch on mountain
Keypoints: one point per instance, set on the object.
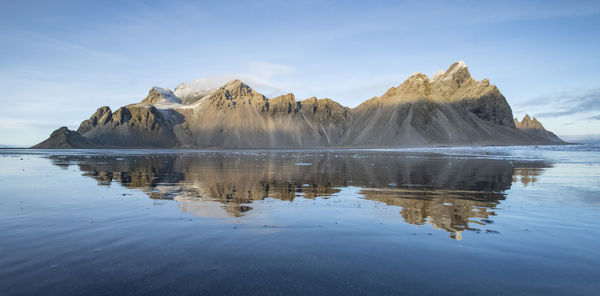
(192, 91)
(437, 75)
(167, 94)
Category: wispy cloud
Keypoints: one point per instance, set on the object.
(569, 103)
(258, 75)
(259, 83)
(595, 117)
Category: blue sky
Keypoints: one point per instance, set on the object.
(61, 60)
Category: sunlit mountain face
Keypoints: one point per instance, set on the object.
(455, 194)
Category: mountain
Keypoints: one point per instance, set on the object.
(192, 92)
(65, 138)
(535, 129)
(450, 108)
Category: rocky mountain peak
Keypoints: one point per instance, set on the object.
(191, 92)
(236, 84)
(437, 75)
(418, 78)
(528, 123)
(61, 130)
(158, 94)
(417, 86)
(238, 89)
(234, 92)
(283, 104)
(535, 128)
(457, 74)
(456, 66)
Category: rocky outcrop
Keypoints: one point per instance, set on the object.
(535, 129)
(65, 138)
(450, 108)
(528, 124)
(324, 110)
(137, 125)
(158, 95)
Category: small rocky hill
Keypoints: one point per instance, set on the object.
(535, 129)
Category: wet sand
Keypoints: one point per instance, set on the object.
(457, 221)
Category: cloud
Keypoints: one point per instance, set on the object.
(215, 81)
(567, 103)
(269, 70)
(258, 75)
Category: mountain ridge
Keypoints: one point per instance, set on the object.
(450, 108)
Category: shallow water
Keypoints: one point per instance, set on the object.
(457, 221)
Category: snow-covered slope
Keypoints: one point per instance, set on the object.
(191, 92)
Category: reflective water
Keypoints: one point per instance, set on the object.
(458, 221)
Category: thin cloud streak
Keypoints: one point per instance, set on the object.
(569, 103)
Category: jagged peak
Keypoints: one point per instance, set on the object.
(287, 97)
(234, 92)
(437, 75)
(161, 89)
(193, 91)
(328, 101)
(165, 92)
(235, 84)
(156, 93)
(309, 100)
(458, 71)
(458, 65)
(417, 83)
(103, 110)
(236, 88)
(418, 75)
(528, 123)
(315, 100)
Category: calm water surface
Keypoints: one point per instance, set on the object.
(455, 221)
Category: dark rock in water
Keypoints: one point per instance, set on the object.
(65, 138)
(450, 108)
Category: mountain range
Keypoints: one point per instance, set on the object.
(449, 109)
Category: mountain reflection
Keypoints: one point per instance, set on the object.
(448, 193)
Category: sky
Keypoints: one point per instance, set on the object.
(61, 60)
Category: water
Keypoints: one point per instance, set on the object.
(455, 221)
